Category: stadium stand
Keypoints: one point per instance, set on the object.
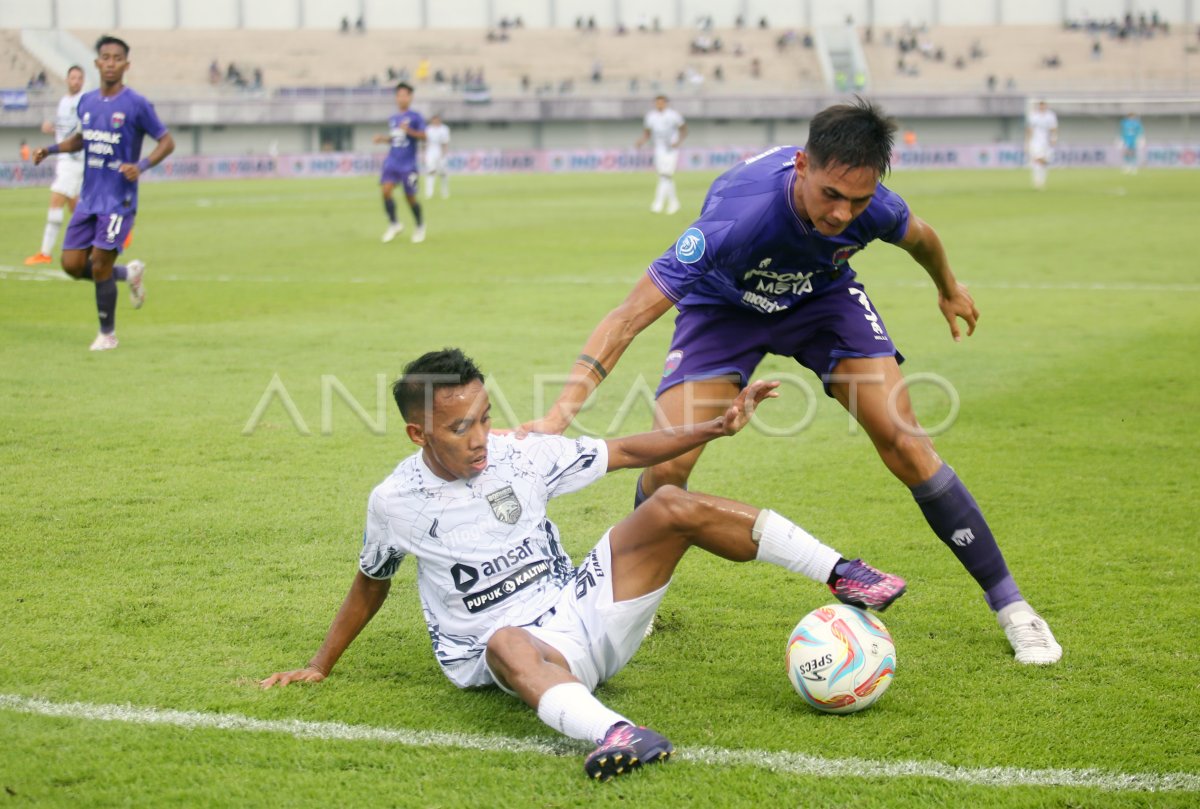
(528, 61)
(1160, 61)
(18, 67)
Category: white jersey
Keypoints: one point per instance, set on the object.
(487, 555)
(66, 122)
(437, 138)
(1041, 124)
(664, 129)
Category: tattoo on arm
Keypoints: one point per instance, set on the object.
(593, 365)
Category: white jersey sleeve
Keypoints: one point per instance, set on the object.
(381, 553)
(567, 464)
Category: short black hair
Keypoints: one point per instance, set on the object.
(404, 86)
(852, 135)
(448, 368)
(111, 40)
(75, 67)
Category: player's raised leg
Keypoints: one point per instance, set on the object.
(874, 392)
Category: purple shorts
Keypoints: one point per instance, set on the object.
(107, 231)
(406, 177)
(714, 341)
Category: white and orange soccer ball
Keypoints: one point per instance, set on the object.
(840, 659)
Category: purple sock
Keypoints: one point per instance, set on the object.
(639, 496)
(416, 209)
(955, 517)
(389, 205)
(120, 272)
(106, 305)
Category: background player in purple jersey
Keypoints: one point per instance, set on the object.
(764, 270)
(400, 167)
(113, 121)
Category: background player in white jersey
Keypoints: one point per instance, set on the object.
(502, 602)
(437, 144)
(1041, 136)
(68, 168)
(667, 129)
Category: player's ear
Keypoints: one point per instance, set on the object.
(416, 433)
(801, 162)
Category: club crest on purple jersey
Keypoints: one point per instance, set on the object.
(690, 247)
(842, 254)
(673, 360)
(118, 118)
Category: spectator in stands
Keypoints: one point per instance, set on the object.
(26, 154)
(258, 78)
(360, 25)
(344, 28)
(597, 71)
(214, 73)
(755, 68)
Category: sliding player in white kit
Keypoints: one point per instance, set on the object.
(68, 168)
(1041, 136)
(503, 603)
(667, 129)
(437, 144)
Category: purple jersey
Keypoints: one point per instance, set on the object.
(751, 249)
(402, 156)
(113, 129)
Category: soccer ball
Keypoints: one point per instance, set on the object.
(840, 659)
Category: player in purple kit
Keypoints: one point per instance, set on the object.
(113, 120)
(405, 129)
(765, 270)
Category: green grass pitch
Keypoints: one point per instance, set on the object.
(158, 555)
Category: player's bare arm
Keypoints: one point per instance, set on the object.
(646, 449)
(71, 144)
(161, 151)
(644, 305)
(365, 598)
(923, 244)
(682, 134)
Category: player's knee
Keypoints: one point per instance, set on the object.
(674, 505)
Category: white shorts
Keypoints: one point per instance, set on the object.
(666, 162)
(1041, 151)
(596, 636)
(68, 177)
(435, 165)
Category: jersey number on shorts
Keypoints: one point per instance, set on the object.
(114, 226)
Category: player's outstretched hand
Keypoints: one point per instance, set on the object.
(959, 304)
(308, 674)
(39, 155)
(550, 424)
(741, 410)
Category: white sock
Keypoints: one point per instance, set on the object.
(672, 200)
(571, 709)
(1039, 175)
(660, 193)
(782, 542)
(54, 220)
(429, 181)
(1005, 614)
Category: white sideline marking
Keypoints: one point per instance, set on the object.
(774, 761)
(35, 274)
